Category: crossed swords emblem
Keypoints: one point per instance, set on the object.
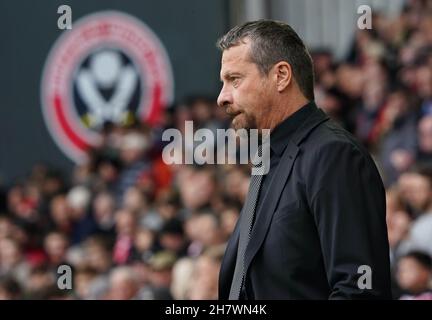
(106, 72)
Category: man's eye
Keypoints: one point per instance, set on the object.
(235, 82)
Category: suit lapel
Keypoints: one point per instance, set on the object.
(273, 194)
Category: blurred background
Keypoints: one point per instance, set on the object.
(87, 187)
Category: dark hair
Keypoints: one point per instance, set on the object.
(421, 257)
(424, 170)
(11, 286)
(272, 42)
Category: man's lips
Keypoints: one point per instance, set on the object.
(233, 113)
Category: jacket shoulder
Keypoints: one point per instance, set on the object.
(330, 135)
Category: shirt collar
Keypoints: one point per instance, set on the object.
(281, 134)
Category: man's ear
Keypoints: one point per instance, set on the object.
(283, 74)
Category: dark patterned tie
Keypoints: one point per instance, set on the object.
(246, 220)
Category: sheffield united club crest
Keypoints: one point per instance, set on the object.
(109, 68)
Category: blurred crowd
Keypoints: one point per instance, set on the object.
(382, 93)
(132, 227)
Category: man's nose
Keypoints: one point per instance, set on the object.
(225, 98)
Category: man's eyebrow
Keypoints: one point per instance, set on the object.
(228, 75)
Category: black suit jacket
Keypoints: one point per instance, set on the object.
(322, 217)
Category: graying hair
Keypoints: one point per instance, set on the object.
(272, 42)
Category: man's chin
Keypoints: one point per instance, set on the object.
(238, 123)
(245, 129)
(238, 126)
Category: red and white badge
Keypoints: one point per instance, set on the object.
(109, 68)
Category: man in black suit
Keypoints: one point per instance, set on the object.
(314, 227)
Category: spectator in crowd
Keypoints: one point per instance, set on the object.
(132, 155)
(123, 284)
(171, 237)
(12, 262)
(398, 223)
(160, 278)
(59, 215)
(420, 199)
(415, 187)
(103, 214)
(40, 279)
(204, 284)
(82, 283)
(56, 245)
(425, 139)
(9, 289)
(414, 276)
(144, 244)
(397, 129)
(125, 229)
(98, 254)
(204, 230)
(79, 199)
(182, 277)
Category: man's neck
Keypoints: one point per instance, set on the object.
(284, 109)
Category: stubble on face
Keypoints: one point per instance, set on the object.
(244, 95)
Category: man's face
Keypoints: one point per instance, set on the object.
(412, 276)
(246, 93)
